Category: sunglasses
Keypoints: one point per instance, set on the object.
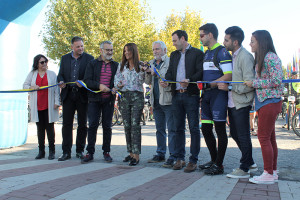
(43, 62)
(202, 35)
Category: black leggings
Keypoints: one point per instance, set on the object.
(217, 155)
(43, 125)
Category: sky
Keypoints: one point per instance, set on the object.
(280, 17)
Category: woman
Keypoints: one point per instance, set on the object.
(269, 89)
(129, 81)
(43, 103)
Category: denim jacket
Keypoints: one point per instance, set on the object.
(269, 85)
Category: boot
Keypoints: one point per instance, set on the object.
(51, 155)
(40, 155)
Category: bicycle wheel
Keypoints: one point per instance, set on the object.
(115, 117)
(295, 123)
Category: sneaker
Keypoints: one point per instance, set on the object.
(179, 165)
(107, 157)
(127, 158)
(80, 155)
(169, 163)
(265, 178)
(156, 159)
(238, 173)
(284, 126)
(190, 167)
(87, 158)
(253, 168)
(206, 165)
(214, 170)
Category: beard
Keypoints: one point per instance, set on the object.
(108, 57)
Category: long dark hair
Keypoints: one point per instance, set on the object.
(36, 60)
(265, 45)
(135, 55)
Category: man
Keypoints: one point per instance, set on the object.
(217, 66)
(73, 97)
(185, 66)
(240, 100)
(161, 100)
(99, 75)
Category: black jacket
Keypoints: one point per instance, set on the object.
(65, 74)
(92, 77)
(193, 68)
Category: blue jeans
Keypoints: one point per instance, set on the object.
(105, 107)
(240, 131)
(163, 116)
(186, 105)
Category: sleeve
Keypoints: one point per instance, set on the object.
(225, 61)
(28, 80)
(60, 76)
(272, 64)
(199, 67)
(118, 77)
(89, 77)
(248, 74)
(56, 91)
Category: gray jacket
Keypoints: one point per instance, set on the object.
(243, 70)
(165, 94)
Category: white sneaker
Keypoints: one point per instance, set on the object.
(265, 178)
(253, 168)
(238, 173)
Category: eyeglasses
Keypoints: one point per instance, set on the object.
(109, 50)
(202, 35)
(43, 62)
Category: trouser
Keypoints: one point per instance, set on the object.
(266, 134)
(104, 107)
(70, 105)
(186, 105)
(43, 125)
(163, 116)
(240, 131)
(131, 107)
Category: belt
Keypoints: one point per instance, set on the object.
(181, 90)
(211, 88)
(74, 88)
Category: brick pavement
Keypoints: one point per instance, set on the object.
(22, 177)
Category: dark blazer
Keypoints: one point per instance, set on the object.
(193, 68)
(92, 77)
(65, 74)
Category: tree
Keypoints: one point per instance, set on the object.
(120, 21)
(190, 21)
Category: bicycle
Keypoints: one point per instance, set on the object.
(291, 111)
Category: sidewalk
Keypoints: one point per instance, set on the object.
(22, 177)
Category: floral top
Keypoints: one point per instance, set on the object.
(131, 80)
(269, 85)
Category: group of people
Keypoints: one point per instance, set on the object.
(174, 97)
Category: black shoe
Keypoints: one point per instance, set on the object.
(87, 158)
(51, 155)
(214, 170)
(156, 159)
(64, 157)
(80, 155)
(107, 157)
(206, 165)
(127, 158)
(133, 162)
(169, 163)
(40, 155)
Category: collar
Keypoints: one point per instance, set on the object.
(74, 57)
(236, 52)
(215, 46)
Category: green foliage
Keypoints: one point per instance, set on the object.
(120, 21)
(189, 20)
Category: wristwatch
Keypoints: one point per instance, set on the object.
(229, 87)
